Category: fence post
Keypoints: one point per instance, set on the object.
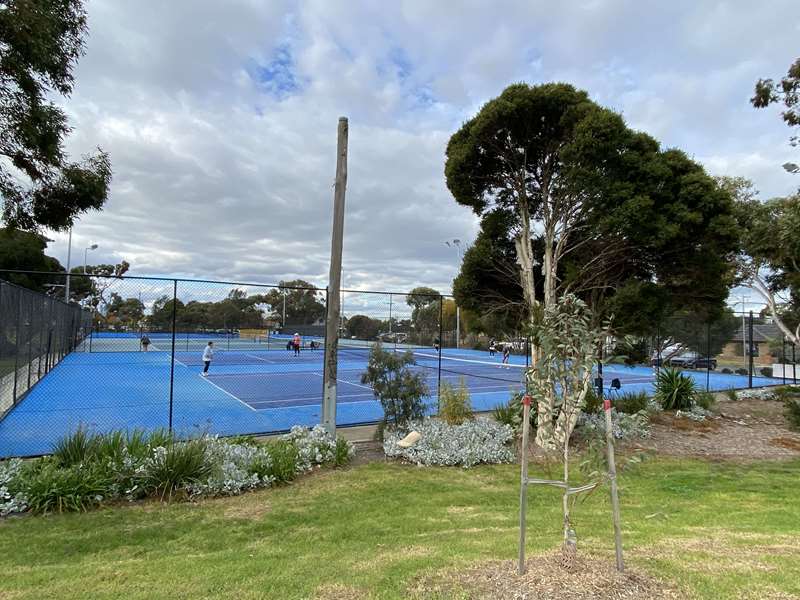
(439, 370)
(750, 346)
(172, 357)
(708, 355)
(16, 348)
(324, 346)
(783, 358)
(794, 366)
(31, 306)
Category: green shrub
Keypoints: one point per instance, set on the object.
(511, 414)
(786, 392)
(160, 437)
(741, 371)
(49, 487)
(175, 466)
(592, 402)
(792, 412)
(396, 386)
(75, 448)
(731, 395)
(631, 402)
(261, 465)
(705, 400)
(285, 460)
(766, 371)
(454, 403)
(243, 440)
(726, 371)
(674, 390)
(111, 446)
(137, 444)
(341, 452)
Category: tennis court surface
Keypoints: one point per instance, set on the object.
(252, 387)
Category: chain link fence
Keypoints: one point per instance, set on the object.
(36, 332)
(241, 358)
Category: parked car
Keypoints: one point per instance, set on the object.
(692, 360)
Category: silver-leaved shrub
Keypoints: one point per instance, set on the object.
(468, 444)
(233, 469)
(623, 426)
(315, 446)
(10, 503)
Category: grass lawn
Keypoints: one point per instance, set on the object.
(716, 531)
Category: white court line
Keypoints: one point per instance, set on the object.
(219, 388)
(272, 362)
(366, 387)
(227, 392)
(469, 360)
(265, 374)
(307, 398)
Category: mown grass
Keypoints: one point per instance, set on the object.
(716, 531)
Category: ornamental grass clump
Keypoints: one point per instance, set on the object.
(454, 403)
(49, 487)
(674, 390)
(177, 466)
(511, 414)
(77, 448)
(631, 403)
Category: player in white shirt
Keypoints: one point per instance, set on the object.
(208, 355)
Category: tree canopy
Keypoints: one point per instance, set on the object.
(786, 92)
(562, 183)
(426, 310)
(304, 303)
(24, 251)
(41, 42)
(769, 261)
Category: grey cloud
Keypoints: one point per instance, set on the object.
(216, 176)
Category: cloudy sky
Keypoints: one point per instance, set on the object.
(220, 118)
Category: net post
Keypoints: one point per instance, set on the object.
(172, 354)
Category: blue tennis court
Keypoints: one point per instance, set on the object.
(251, 388)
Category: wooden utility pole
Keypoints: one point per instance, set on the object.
(334, 284)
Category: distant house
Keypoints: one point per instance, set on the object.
(763, 334)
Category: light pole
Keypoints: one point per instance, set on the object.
(456, 243)
(69, 258)
(744, 304)
(85, 252)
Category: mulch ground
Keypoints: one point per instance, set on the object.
(545, 578)
(740, 430)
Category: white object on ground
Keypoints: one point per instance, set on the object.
(411, 439)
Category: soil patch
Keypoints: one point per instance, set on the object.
(589, 577)
(741, 430)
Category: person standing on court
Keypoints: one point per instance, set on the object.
(208, 356)
(506, 354)
(145, 342)
(296, 342)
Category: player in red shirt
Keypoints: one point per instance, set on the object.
(296, 343)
